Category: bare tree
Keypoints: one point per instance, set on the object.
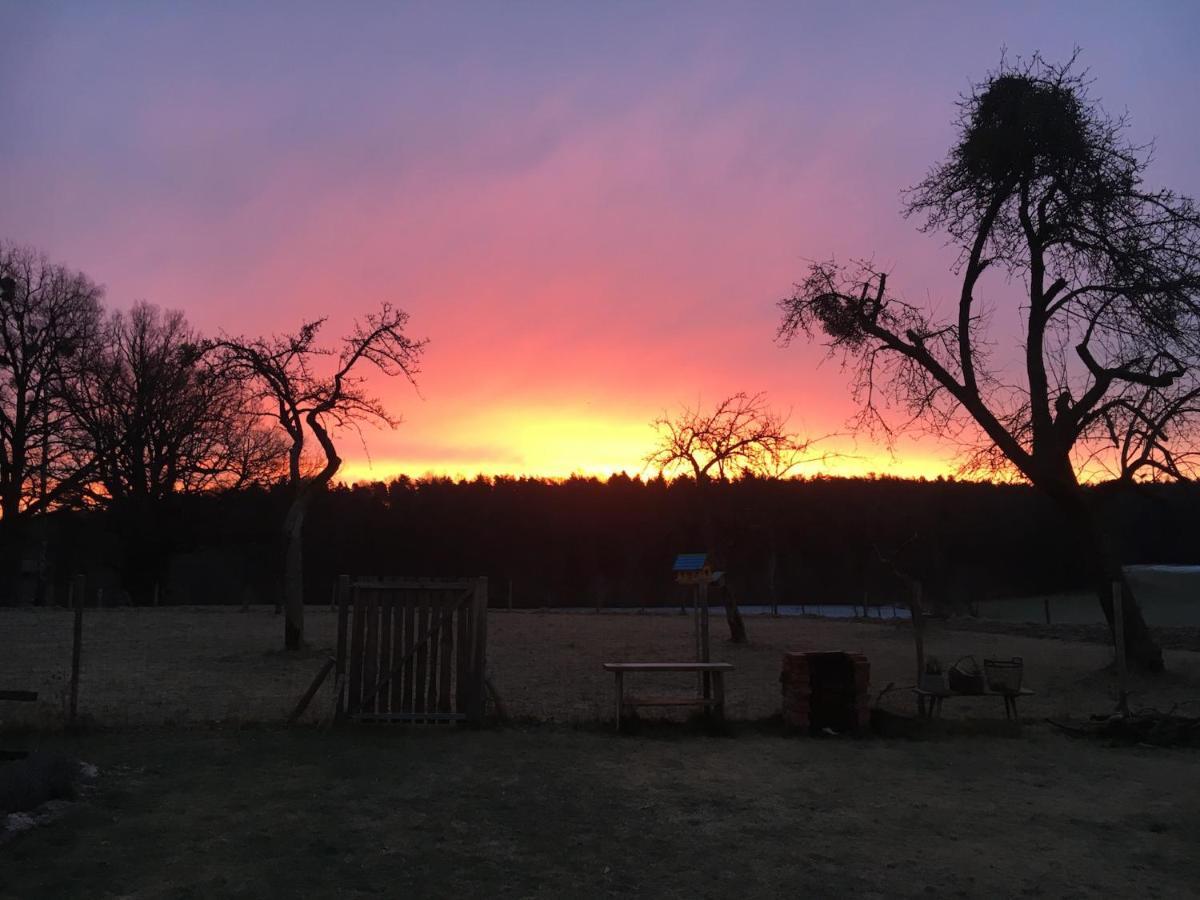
(740, 436)
(1043, 190)
(159, 413)
(154, 414)
(46, 313)
(304, 402)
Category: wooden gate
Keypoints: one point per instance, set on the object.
(411, 649)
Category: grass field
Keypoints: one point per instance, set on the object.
(218, 664)
(566, 807)
(555, 812)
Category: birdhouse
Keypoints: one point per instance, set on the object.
(692, 568)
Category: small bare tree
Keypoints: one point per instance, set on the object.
(740, 436)
(303, 402)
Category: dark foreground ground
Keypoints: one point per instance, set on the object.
(554, 812)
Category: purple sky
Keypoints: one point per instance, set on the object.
(590, 209)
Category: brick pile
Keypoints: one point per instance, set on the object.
(826, 690)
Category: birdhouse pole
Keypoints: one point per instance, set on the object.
(693, 569)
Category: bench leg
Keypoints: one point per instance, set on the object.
(620, 697)
(718, 683)
(1010, 707)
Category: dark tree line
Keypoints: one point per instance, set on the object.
(585, 543)
(125, 412)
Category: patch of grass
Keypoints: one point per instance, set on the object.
(551, 812)
(27, 783)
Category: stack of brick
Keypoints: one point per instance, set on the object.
(797, 694)
(862, 689)
(826, 690)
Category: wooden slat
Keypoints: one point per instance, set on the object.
(478, 651)
(384, 701)
(397, 704)
(462, 644)
(435, 621)
(342, 624)
(422, 663)
(446, 654)
(357, 626)
(19, 696)
(370, 652)
(410, 640)
(302, 705)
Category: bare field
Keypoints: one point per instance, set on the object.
(208, 664)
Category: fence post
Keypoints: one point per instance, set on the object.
(1119, 634)
(479, 654)
(339, 679)
(918, 620)
(78, 586)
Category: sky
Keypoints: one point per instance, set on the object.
(589, 210)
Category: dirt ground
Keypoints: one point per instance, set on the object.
(184, 665)
(550, 811)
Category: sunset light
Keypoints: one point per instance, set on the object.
(587, 238)
(599, 449)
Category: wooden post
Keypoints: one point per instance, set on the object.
(510, 593)
(156, 593)
(771, 567)
(302, 705)
(1046, 604)
(77, 595)
(918, 618)
(479, 655)
(339, 680)
(1119, 634)
(705, 680)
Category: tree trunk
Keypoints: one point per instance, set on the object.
(733, 615)
(1104, 562)
(293, 571)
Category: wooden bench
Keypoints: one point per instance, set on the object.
(714, 670)
(935, 698)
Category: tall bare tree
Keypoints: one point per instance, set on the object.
(154, 413)
(47, 313)
(305, 402)
(1042, 189)
(740, 436)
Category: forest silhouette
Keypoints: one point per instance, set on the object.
(582, 542)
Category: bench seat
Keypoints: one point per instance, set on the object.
(713, 673)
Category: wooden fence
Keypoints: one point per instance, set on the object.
(411, 649)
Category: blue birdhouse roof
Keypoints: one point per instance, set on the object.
(690, 562)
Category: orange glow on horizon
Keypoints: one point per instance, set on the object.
(557, 444)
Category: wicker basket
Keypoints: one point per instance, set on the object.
(1004, 675)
